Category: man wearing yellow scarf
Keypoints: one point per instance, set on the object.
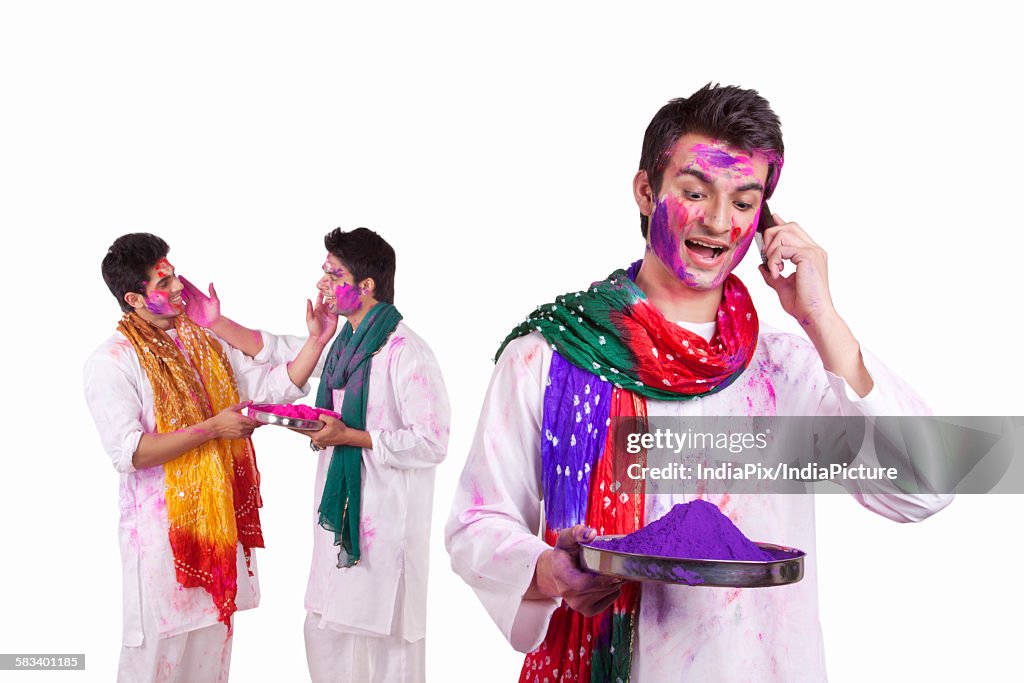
(167, 399)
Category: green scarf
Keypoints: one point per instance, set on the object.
(348, 368)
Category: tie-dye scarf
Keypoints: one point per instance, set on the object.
(348, 368)
(613, 350)
(213, 494)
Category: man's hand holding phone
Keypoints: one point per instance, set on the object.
(804, 294)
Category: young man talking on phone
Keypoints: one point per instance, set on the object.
(675, 334)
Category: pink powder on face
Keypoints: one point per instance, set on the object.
(159, 303)
(163, 268)
(329, 268)
(347, 299)
(296, 410)
(696, 530)
(712, 158)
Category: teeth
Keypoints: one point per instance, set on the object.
(705, 244)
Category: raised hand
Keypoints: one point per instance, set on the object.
(805, 293)
(202, 309)
(321, 323)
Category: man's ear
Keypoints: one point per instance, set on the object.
(643, 193)
(134, 299)
(368, 286)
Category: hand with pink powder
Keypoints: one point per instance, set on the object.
(321, 323)
(558, 575)
(202, 309)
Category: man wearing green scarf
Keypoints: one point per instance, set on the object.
(674, 335)
(367, 591)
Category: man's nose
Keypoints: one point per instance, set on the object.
(718, 218)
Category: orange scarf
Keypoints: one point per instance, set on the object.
(213, 495)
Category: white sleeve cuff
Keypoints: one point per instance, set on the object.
(269, 350)
(123, 462)
(848, 396)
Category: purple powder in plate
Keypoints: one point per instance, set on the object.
(695, 531)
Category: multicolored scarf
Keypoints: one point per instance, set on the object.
(348, 367)
(614, 350)
(213, 494)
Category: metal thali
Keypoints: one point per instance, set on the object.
(787, 566)
(264, 416)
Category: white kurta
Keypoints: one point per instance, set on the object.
(683, 633)
(120, 397)
(407, 417)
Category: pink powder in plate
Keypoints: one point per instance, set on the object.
(295, 410)
(696, 530)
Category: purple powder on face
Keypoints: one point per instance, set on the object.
(696, 530)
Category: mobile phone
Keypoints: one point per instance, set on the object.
(764, 221)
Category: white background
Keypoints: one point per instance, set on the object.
(494, 148)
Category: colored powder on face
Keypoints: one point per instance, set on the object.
(159, 303)
(296, 410)
(347, 299)
(696, 530)
(668, 222)
(163, 268)
(709, 157)
(329, 268)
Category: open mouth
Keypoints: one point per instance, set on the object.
(707, 252)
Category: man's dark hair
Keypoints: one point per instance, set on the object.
(365, 254)
(126, 266)
(740, 118)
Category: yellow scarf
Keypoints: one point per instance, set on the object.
(213, 495)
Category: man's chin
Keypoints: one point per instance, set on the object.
(702, 280)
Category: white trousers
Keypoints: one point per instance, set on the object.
(335, 657)
(200, 656)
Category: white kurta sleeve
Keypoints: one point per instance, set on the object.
(889, 396)
(263, 382)
(492, 531)
(424, 413)
(281, 348)
(115, 401)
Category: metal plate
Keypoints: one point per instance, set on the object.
(268, 418)
(788, 567)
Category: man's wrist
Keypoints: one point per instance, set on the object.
(823, 322)
(206, 430)
(534, 591)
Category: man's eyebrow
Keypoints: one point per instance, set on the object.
(703, 177)
(754, 185)
(697, 173)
